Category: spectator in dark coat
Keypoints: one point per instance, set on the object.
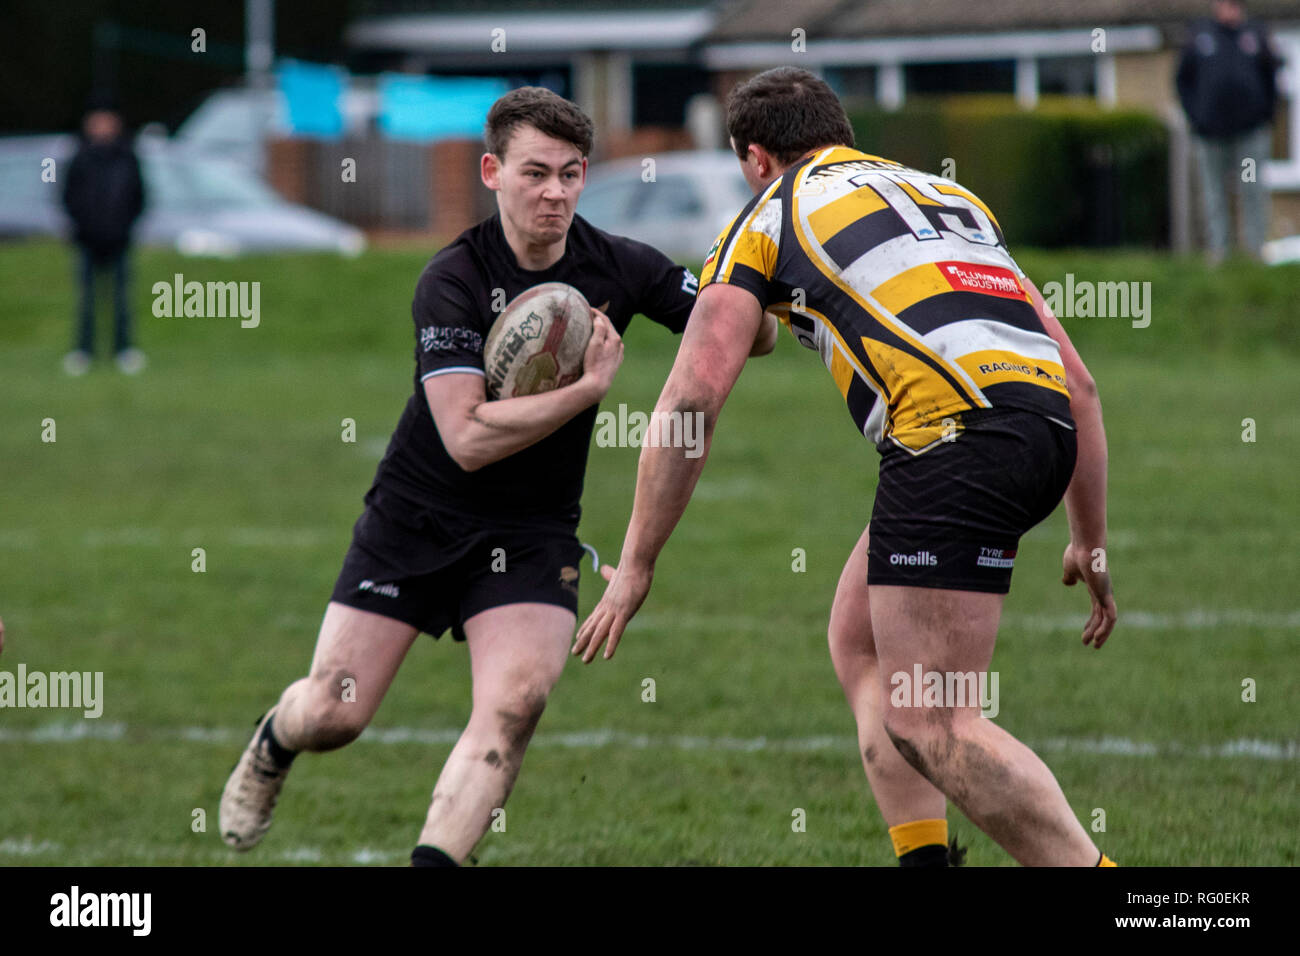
(1228, 88)
(104, 195)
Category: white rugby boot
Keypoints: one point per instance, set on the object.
(251, 793)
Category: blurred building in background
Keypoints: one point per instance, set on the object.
(370, 110)
(652, 77)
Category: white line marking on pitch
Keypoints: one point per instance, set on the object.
(593, 739)
(1193, 619)
(26, 846)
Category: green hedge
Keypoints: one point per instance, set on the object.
(1064, 174)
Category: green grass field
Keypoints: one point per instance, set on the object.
(231, 441)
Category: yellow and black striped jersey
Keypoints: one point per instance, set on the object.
(902, 281)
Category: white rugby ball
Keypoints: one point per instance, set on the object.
(537, 343)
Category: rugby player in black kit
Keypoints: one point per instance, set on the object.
(470, 523)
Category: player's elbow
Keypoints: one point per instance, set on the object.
(470, 461)
(463, 450)
(1083, 388)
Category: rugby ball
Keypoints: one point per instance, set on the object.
(537, 343)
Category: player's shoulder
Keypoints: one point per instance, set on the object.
(598, 246)
(464, 261)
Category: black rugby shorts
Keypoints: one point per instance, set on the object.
(952, 516)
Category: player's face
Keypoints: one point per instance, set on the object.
(538, 183)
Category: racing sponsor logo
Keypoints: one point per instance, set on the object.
(1020, 368)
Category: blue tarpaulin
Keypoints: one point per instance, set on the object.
(314, 95)
(435, 107)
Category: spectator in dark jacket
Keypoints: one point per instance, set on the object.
(1228, 88)
(104, 195)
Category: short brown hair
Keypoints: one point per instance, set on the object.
(545, 111)
(788, 112)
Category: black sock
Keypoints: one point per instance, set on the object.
(279, 754)
(934, 854)
(430, 856)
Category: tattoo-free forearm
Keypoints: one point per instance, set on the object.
(1085, 499)
(665, 481)
(492, 430)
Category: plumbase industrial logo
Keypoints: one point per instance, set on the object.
(208, 300)
(80, 690)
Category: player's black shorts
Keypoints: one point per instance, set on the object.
(952, 517)
(435, 571)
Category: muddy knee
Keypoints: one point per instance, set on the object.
(331, 718)
(516, 720)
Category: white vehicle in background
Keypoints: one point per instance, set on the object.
(1281, 251)
(234, 124)
(195, 204)
(680, 211)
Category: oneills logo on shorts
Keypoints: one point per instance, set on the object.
(387, 590)
(923, 558)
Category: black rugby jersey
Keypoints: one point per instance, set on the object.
(453, 310)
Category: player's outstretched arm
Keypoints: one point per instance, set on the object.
(1085, 556)
(723, 328)
(477, 432)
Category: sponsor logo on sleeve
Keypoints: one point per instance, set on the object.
(437, 338)
(713, 251)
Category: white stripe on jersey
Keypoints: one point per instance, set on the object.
(956, 339)
(891, 259)
(452, 368)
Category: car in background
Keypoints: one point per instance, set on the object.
(194, 204)
(680, 211)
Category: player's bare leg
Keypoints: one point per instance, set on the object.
(357, 655)
(902, 793)
(998, 782)
(517, 653)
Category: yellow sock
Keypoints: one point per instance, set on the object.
(1106, 861)
(911, 836)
